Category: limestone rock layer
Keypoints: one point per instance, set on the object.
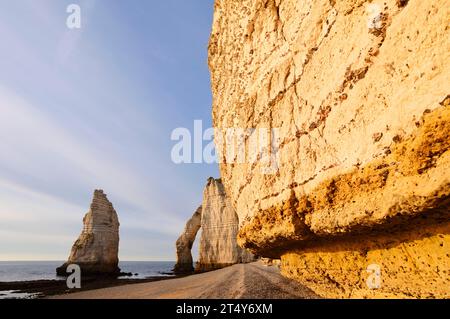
(96, 249)
(358, 94)
(220, 224)
(185, 241)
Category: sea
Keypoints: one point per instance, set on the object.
(13, 271)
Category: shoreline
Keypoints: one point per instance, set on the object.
(240, 281)
(38, 289)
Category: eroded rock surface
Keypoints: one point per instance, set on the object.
(220, 224)
(358, 91)
(185, 241)
(96, 250)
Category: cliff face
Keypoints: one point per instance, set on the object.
(185, 241)
(219, 224)
(96, 250)
(358, 94)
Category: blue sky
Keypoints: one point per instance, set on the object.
(94, 108)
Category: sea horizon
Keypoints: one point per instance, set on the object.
(33, 270)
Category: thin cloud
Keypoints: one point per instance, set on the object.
(25, 131)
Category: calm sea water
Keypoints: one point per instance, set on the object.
(11, 271)
(37, 270)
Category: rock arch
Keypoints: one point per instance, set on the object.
(186, 241)
(218, 243)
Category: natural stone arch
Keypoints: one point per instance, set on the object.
(218, 243)
(186, 241)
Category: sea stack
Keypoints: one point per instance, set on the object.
(96, 250)
(356, 92)
(220, 224)
(185, 241)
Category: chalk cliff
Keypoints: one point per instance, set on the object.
(96, 250)
(185, 241)
(219, 223)
(356, 93)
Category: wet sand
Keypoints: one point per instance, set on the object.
(243, 281)
(45, 288)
